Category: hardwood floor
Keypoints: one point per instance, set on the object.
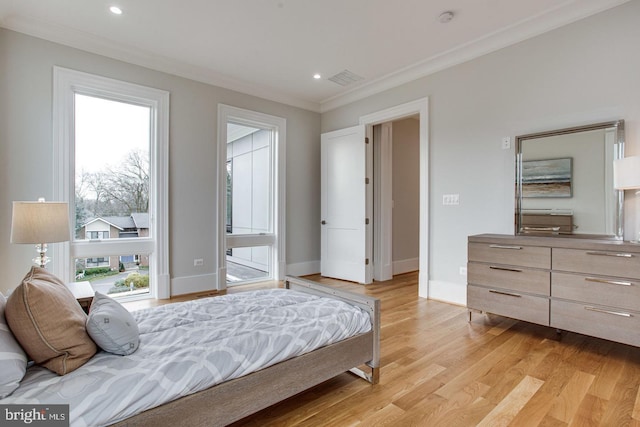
(440, 370)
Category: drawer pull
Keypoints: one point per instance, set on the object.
(614, 254)
(615, 313)
(608, 282)
(554, 229)
(505, 293)
(517, 248)
(493, 267)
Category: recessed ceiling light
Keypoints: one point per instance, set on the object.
(115, 10)
(317, 76)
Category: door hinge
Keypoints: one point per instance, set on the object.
(366, 261)
(366, 140)
(366, 221)
(366, 180)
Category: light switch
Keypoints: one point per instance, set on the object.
(450, 199)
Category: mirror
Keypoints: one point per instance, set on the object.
(564, 182)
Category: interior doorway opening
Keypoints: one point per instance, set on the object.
(396, 167)
(383, 214)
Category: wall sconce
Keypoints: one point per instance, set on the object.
(626, 176)
(40, 223)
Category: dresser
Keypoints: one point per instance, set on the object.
(582, 285)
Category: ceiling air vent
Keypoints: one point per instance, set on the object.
(345, 78)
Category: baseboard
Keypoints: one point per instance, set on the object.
(454, 293)
(193, 284)
(303, 268)
(406, 266)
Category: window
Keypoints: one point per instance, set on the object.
(112, 168)
(96, 262)
(252, 148)
(96, 235)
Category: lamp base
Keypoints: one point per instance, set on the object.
(43, 259)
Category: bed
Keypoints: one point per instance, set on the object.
(193, 390)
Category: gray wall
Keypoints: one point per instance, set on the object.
(26, 153)
(584, 72)
(406, 190)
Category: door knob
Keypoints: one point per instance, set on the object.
(323, 222)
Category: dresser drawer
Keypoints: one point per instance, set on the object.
(523, 256)
(604, 263)
(509, 304)
(609, 291)
(611, 324)
(509, 277)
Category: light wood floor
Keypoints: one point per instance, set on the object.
(440, 370)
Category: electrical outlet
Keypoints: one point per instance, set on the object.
(198, 262)
(506, 143)
(463, 271)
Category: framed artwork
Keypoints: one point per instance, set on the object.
(547, 178)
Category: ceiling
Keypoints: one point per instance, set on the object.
(272, 48)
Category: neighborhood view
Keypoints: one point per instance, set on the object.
(112, 192)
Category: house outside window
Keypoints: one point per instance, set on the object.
(251, 147)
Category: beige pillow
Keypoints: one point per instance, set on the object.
(49, 323)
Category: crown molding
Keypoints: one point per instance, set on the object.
(565, 13)
(101, 46)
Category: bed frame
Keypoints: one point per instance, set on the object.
(233, 400)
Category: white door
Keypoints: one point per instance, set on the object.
(345, 236)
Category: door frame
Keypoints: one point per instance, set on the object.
(277, 241)
(383, 224)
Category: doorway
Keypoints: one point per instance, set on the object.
(396, 166)
(382, 220)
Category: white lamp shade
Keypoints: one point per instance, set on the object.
(40, 222)
(626, 173)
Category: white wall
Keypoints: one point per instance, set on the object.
(26, 156)
(406, 195)
(582, 73)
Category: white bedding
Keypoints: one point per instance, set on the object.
(187, 347)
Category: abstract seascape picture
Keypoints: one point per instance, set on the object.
(547, 178)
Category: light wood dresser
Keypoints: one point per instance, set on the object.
(582, 285)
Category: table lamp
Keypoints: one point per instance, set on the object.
(40, 223)
(626, 176)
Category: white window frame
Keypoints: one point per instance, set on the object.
(276, 240)
(67, 83)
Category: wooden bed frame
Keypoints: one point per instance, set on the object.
(233, 400)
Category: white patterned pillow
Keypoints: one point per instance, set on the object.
(13, 360)
(111, 326)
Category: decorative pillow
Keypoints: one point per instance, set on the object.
(49, 323)
(13, 361)
(111, 326)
